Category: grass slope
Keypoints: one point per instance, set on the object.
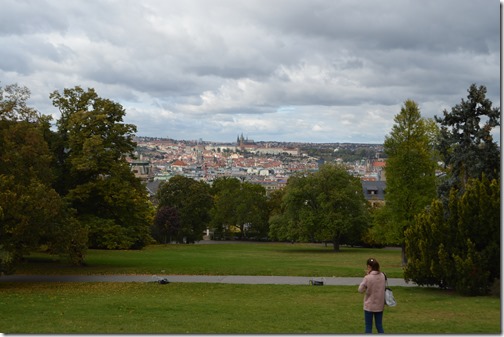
(224, 308)
(229, 308)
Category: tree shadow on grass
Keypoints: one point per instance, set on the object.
(328, 250)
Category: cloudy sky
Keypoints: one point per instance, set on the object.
(286, 70)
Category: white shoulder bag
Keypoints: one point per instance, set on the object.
(389, 296)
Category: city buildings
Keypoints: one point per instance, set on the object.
(269, 164)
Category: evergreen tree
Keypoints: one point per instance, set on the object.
(456, 244)
(466, 143)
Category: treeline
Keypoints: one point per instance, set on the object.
(70, 188)
(346, 154)
(326, 206)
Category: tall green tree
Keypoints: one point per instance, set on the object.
(322, 206)
(31, 211)
(466, 144)
(190, 202)
(410, 171)
(94, 176)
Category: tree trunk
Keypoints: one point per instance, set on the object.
(336, 244)
(404, 259)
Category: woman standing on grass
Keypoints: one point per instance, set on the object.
(374, 301)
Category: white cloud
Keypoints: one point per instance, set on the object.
(309, 70)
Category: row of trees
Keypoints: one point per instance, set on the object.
(70, 188)
(230, 207)
(324, 206)
(448, 225)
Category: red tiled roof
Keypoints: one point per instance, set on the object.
(178, 163)
(379, 164)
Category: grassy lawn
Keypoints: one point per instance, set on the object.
(230, 308)
(283, 259)
(226, 308)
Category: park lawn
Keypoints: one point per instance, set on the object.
(269, 259)
(195, 308)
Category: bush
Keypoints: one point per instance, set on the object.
(456, 245)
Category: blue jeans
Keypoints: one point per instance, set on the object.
(368, 319)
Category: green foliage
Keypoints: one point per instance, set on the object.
(346, 154)
(239, 207)
(456, 242)
(166, 227)
(92, 138)
(120, 202)
(279, 228)
(106, 234)
(382, 231)
(276, 218)
(410, 171)
(94, 177)
(191, 202)
(275, 201)
(13, 104)
(457, 245)
(322, 206)
(465, 142)
(225, 192)
(252, 210)
(33, 213)
(70, 240)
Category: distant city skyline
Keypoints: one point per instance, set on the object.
(234, 141)
(320, 71)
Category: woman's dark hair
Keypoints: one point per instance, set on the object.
(373, 264)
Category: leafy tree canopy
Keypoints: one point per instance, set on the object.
(94, 176)
(189, 202)
(32, 212)
(322, 206)
(239, 207)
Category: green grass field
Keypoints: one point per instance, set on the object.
(283, 259)
(230, 308)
